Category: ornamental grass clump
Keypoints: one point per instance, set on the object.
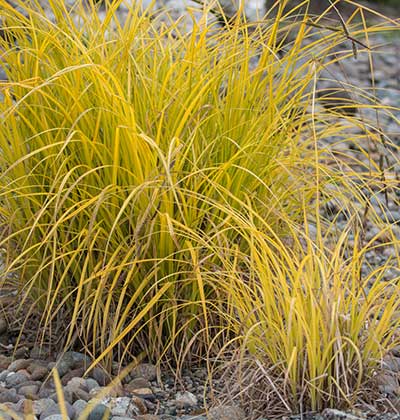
(314, 328)
(157, 186)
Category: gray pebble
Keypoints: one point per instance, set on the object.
(28, 383)
(9, 395)
(185, 399)
(19, 364)
(3, 375)
(42, 405)
(80, 359)
(40, 372)
(138, 383)
(100, 412)
(55, 409)
(40, 353)
(392, 363)
(123, 406)
(144, 370)
(226, 412)
(92, 384)
(65, 364)
(100, 376)
(51, 365)
(81, 394)
(45, 392)
(56, 417)
(14, 379)
(79, 406)
(77, 383)
(67, 393)
(28, 390)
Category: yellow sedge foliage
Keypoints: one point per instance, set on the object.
(155, 184)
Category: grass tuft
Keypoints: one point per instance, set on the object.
(162, 194)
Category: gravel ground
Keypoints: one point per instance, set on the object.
(26, 383)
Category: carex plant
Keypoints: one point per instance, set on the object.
(158, 183)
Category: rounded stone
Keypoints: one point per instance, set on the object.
(73, 374)
(40, 372)
(45, 392)
(55, 409)
(22, 352)
(28, 383)
(99, 412)
(19, 364)
(3, 375)
(81, 394)
(4, 362)
(40, 353)
(9, 395)
(144, 370)
(137, 383)
(226, 412)
(123, 406)
(42, 405)
(29, 391)
(51, 365)
(65, 364)
(15, 379)
(100, 376)
(74, 360)
(145, 393)
(185, 399)
(79, 406)
(67, 394)
(91, 384)
(56, 417)
(77, 383)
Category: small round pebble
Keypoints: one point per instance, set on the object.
(14, 379)
(55, 409)
(42, 405)
(144, 370)
(40, 372)
(100, 412)
(92, 384)
(3, 375)
(19, 364)
(79, 406)
(9, 395)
